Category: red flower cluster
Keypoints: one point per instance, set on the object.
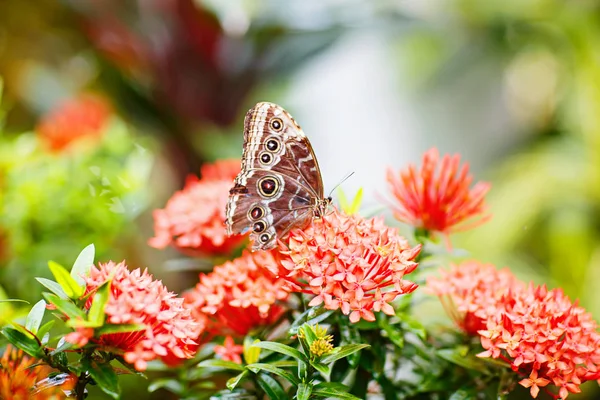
(240, 295)
(192, 220)
(230, 351)
(75, 119)
(349, 263)
(540, 332)
(438, 201)
(470, 292)
(22, 378)
(136, 298)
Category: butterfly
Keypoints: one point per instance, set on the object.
(280, 185)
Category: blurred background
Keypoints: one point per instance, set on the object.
(153, 89)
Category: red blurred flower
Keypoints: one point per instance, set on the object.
(83, 117)
(136, 298)
(230, 351)
(21, 380)
(470, 292)
(544, 337)
(240, 295)
(192, 220)
(349, 263)
(438, 198)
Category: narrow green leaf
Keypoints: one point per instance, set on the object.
(221, 364)
(13, 301)
(23, 341)
(83, 264)
(172, 385)
(65, 280)
(393, 333)
(35, 316)
(415, 326)
(356, 202)
(53, 287)
(258, 367)
(271, 387)
(312, 316)
(460, 357)
(304, 391)
(283, 349)
(44, 329)
(323, 369)
(251, 354)
(121, 328)
(96, 312)
(342, 199)
(106, 378)
(341, 352)
(333, 390)
(233, 382)
(66, 307)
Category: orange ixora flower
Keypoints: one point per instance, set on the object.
(168, 332)
(193, 219)
(470, 292)
(438, 198)
(21, 380)
(240, 295)
(546, 338)
(75, 119)
(350, 263)
(230, 351)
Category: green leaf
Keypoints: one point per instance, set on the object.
(323, 369)
(341, 352)
(283, 349)
(412, 324)
(233, 382)
(271, 387)
(393, 333)
(288, 376)
(23, 341)
(461, 394)
(304, 391)
(83, 264)
(251, 354)
(312, 316)
(53, 287)
(350, 335)
(333, 390)
(460, 356)
(66, 307)
(120, 328)
(96, 312)
(35, 316)
(172, 385)
(44, 329)
(13, 301)
(222, 364)
(65, 280)
(105, 377)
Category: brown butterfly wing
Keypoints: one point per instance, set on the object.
(280, 184)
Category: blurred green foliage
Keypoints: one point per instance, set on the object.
(54, 203)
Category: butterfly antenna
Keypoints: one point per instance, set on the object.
(342, 181)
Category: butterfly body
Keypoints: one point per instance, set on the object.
(280, 185)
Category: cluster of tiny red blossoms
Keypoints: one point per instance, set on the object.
(24, 378)
(72, 120)
(229, 351)
(539, 332)
(470, 292)
(350, 263)
(438, 198)
(240, 295)
(169, 331)
(192, 220)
